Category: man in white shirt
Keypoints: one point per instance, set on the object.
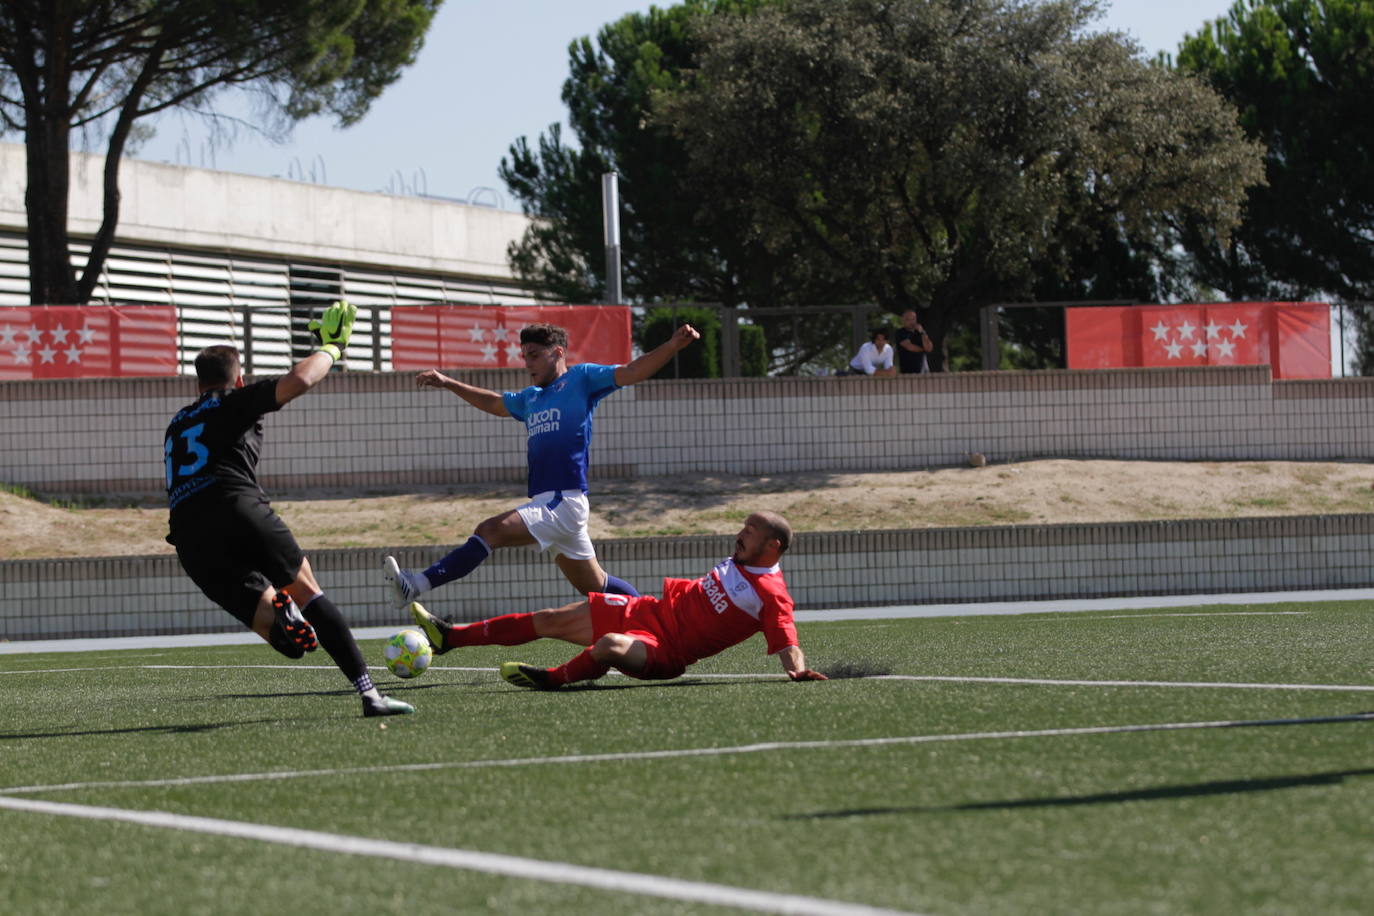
(874, 357)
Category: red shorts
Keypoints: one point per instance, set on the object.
(638, 619)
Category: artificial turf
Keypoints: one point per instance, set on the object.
(764, 784)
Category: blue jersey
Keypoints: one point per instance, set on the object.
(558, 420)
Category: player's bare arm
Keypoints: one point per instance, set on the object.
(794, 663)
(484, 400)
(645, 366)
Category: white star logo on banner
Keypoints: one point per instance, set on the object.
(21, 354)
(86, 334)
(58, 334)
(499, 333)
(1186, 330)
(1226, 348)
(1175, 349)
(34, 333)
(7, 334)
(512, 352)
(1161, 331)
(476, 333)
(46, 355)
(1213, 329)
(1237, 330)
(488, 353)
(1199, 348)
(73, 355)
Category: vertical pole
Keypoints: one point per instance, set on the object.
(610, 214)
(247, 339)
(991, 346)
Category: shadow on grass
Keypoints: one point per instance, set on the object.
(168, 729)
(628, 683)
(1161, 793)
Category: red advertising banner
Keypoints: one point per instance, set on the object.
(1293, 338)
(87, 341)
(488, 337)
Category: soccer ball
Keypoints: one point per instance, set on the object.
(408, 653)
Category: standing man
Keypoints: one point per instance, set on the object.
(913, 343)
(557, 412)
(655, 638)
(228, 539)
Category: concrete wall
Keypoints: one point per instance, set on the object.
(188, 207)
(133, 596)
(379, 431)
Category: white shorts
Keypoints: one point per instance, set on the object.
(558, 521)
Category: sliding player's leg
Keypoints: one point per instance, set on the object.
(622, 635)
(570, 623)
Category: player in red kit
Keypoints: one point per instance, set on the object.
(655, 638)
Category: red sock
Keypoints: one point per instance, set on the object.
(506, 630)
(582, 667)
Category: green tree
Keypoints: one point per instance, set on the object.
(677, 243)
(100, 65)
(1299, 72)
(949, 153)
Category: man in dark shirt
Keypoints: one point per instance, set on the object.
(913, 343)
(228, 539)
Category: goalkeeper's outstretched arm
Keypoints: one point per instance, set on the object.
(332, 329)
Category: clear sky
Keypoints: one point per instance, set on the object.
(489, 73)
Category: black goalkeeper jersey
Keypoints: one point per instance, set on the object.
(211, 450)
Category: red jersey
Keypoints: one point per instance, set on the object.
(724, 607)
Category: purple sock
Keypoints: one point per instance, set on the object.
(616, 586)
(459, 562)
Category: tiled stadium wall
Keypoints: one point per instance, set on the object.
(380, 432)
(132, 596)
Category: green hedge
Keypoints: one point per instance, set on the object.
(702, 359)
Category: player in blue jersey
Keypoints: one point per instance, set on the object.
(557, 412)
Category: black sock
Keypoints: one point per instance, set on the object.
(337, 639)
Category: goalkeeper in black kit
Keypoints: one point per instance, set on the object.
(228, 539)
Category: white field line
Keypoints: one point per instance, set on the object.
(1197, 614)
(1055, 682)
(950, 678)
(668, 754)
(469, 860)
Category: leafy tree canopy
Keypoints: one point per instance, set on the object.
(1300, 73)
(103, 64)
(950, 153)
(678, 240)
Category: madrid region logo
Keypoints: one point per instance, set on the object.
(35, 346)
(1183, 339)
(500, 340)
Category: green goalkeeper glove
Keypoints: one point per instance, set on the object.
(334, 327)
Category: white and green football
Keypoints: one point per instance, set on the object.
(408, 653)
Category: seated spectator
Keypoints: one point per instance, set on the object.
(873, 358)
(913, 343)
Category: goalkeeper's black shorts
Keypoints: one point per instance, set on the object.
(236, 551)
